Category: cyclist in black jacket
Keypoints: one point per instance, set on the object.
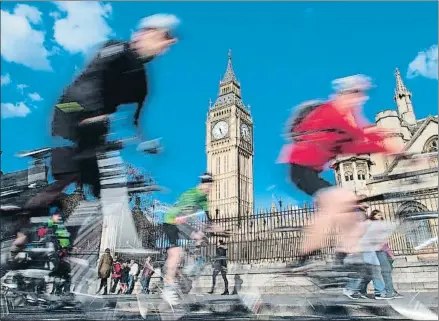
(116, 76)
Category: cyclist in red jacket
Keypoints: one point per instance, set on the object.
(320, 133)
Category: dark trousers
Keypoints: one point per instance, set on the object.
(114, 286)
(145, 284)
(66, 169)
(223, 271)
(104, 285)
(50, 193)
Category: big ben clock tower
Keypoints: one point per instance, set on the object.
(229, 147)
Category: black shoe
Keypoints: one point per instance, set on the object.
(210, 292)
(352, 295)
(339, 258)
(226, 292)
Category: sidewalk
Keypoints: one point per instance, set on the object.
(279, 302)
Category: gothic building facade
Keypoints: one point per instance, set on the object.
(416, 135)
(414, 184)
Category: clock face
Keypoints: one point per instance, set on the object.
(220, 129)
(245, 132)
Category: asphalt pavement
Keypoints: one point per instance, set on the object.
(275, 307)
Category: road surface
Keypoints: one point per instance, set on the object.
(278, 307)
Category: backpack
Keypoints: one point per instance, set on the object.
(299, 114)
(117, 268)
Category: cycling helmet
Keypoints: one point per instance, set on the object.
(356, 83)
(159, 21)
(206, 178)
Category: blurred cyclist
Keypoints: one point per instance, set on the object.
(321, 131)
(188, 204)
(114, 77)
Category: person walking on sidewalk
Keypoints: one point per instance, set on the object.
(104, 270)
(220, 266)
(124, 276)
(147, 272)
(385, 257)
(132, 276)
(117, 269)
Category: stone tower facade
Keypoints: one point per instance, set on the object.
(229, 148)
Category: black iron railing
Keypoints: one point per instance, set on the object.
(276, 236)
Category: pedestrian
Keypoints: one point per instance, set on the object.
(124, 276)
(386, 258)
(238, 284)
(104, 270)
(147, 272)
(366, 263)
(117, 269)
(220, 266)
(132, 276)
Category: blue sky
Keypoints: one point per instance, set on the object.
(283, 54)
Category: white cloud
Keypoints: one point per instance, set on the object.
(84, 24)
(22, 87)
(35, 97)
(31, 13)
(20, 41)
(10, 110)
(55, 14)
(5, 79)
(425, 64)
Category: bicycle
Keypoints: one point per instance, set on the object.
(115, 191)
(325, 276)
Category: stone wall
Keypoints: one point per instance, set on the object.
(411, 274)
(416, 273)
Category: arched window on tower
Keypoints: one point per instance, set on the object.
(339, 179)
(431, 146)
(418, 231)
(348, 176)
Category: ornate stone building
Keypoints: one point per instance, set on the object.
(416, 184)
(417, 135)
(229, 148)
